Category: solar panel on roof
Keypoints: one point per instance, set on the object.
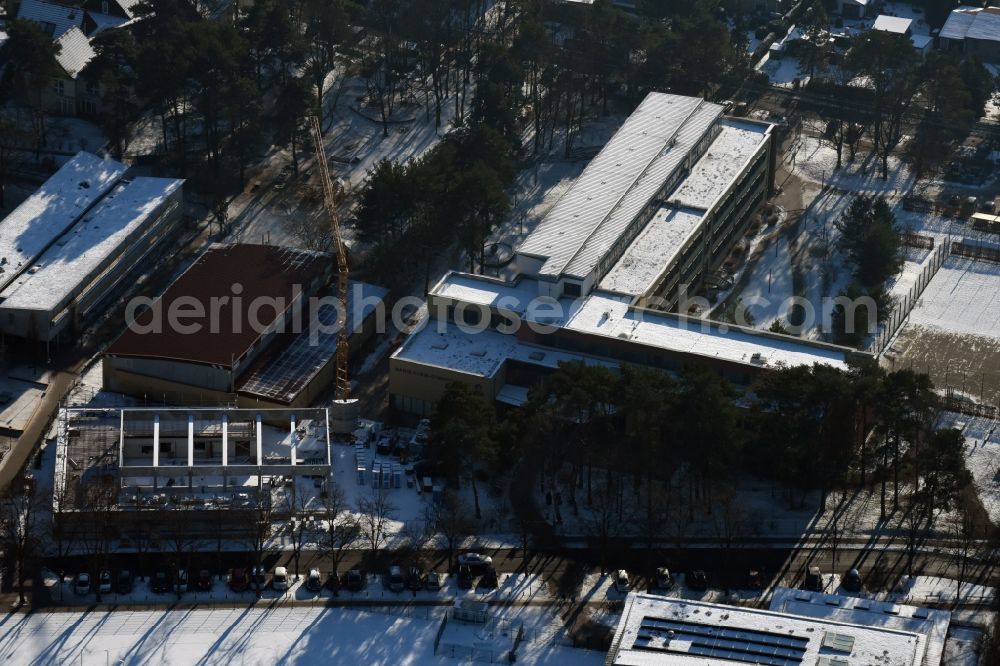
(839, 642)
(720, 642)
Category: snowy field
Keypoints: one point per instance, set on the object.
(964, 297)
(273, 635)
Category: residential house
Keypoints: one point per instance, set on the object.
(973, 31)
(858, 9)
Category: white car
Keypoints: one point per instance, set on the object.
(621, 581)
(280, 579)
(475, 560)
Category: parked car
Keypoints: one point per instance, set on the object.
(279, 581)
(621, 581)
(754, 580)
(475, 560)
(81, 583)
(238, 581)
(394, 580)
(314, 582)
(852, 581)
(489, 579)
(124, 582)
(181, 581)
(333, 581)
(415, 579)
(204, 582)
(814, 579)
(435, 581)
(104, 582)
(355, 580)
(697, 580)
(258, 578)
(160, 582)
(664, 580)
(464, 576)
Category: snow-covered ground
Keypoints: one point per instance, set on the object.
(963, 647)
(783, 71)
(259, 635)
(964, 297)
(921, 590)
(982, 457)
(816, 160)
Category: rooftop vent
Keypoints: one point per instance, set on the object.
(838, 642)
(85, 184)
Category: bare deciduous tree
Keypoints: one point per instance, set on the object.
(376, 510)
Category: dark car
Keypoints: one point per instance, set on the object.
(754, 580)
(697, 580)
(814, 579)
(414, 579)
(161, 581)
(258, 577)
(355, 580)
(464, 577)
(314, 581)
(489, 579)
(394, 580)
(204, 581)
(123, 584)
(852, 581)
(333, 581)
(664, 580)
(238, 580)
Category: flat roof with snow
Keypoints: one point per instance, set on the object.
(930, 624)
(653, 250)
(609, 315)
(482, 354)
(83, 250)
(721, 164)
(618, 183)
(664, 631)
(44, 216)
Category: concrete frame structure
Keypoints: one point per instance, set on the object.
(151, 453)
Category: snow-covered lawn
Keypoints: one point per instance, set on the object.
(782, 71)
(258, 635)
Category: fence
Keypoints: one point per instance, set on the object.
(499, 639)
(957, 402)
(906, 304)
(918, 240)
(980, 252)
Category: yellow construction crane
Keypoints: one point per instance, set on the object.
(343, 387)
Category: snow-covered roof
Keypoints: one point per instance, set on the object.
(895, 24)
(921, 42)
(653, 250)
(482, 354)
(721, 164)
(59, 18)
(84, 250)
(49, 212)
(76, 51)
(611, 316)
(664, 631)
(128, 6)
(930, 624)
(619, 182)
(480, 290)
(972, 22)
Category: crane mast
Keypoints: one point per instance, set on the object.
(343, 386)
